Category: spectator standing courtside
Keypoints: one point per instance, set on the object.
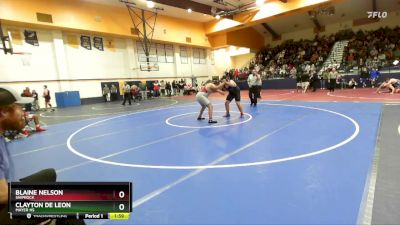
(156, 89)
(168, 89)
(162, 88)
(333, 75)
(27, 93)
(106, 93)
(127, 94)
(134, 93)
(143, 87)
(114, 92)
(173, 88)
(325, 75)
(374, 75)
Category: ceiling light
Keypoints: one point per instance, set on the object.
(189, 10)
(217, 17)
(260, 2)
(150, 4)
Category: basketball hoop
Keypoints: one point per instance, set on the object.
(149, 67)
(25, 57)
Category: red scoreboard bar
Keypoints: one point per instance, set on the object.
(80, 200)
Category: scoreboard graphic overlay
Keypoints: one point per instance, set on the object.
(80, 200)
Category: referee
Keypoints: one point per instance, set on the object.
(251, 81)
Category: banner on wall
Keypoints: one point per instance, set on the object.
(85, 42)
(98, 43)
(110, 45)
(72, 41)
(31, 37)
(15, 36)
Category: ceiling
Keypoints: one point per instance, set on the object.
(344, 11)
(178, 12)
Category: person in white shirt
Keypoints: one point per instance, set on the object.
(333, 75)
(127, 94)
(251, 80)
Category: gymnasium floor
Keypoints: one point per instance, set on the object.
(313, 158)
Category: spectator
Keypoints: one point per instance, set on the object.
(135, 93)
(333, 74)
(27, 93)
(173, 88)
(156, 89)
(162, 87)
(374, 75)
(293, 73)
(114, 92)
(143, 91)
(168, 88)
(106, 93)
(324, 78)
(352, 83)
(364, 76)
(313, 80)
(127, 94)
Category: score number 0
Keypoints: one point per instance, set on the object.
(121, 195)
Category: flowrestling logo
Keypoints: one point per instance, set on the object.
(377, 14)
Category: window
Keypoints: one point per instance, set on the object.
(169, 53)
(161, 53)
(199, 56)
(158, 53)
(203, 56)
(183, 55)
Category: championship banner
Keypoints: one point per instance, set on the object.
(85, 42)
(15, 36)
(72, 41)
(31, 37)
(110, 45)
(98, 43)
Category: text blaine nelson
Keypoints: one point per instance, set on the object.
(30, 194)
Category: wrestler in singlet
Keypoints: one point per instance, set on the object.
(234, 93)
(202, 96)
